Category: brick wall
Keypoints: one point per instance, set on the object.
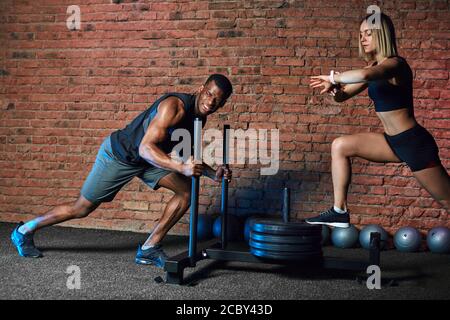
(62, 92)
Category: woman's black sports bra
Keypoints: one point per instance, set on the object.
(388, 97)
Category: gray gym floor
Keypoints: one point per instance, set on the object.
(108, 271)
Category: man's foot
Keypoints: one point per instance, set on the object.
(331, 218)
(24, 243)
(153, 256)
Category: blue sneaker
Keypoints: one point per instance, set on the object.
(331, 218)
(151, 256)
(24, 243)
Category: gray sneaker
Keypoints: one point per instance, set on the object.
(331, 218)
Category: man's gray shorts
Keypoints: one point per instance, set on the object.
(109, 175)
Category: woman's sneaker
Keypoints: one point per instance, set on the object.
(331, 218)
(24, 243)
(153, 256)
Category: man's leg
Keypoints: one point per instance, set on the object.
(175, 208)
(79, 209)
(106, 178)
(22, 235)
(151, 252)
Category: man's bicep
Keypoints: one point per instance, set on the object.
(159, 126)
(157, 132)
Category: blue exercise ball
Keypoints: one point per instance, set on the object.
(204, 226)
(438, 240)
(233, 227)
(325, 235)
(344, 237)
(407, 239)
(364, 236)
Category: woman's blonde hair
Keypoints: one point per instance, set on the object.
(383, 35)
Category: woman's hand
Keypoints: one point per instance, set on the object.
(323, 81)
(334, 90)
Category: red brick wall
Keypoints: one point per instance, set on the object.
(63, 91)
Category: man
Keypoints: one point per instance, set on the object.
(142, 150)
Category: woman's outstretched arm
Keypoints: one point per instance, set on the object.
(341, 94)
(386, 70)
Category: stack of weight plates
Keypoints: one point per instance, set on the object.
(297, 241)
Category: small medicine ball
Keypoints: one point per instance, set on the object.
(407, 239)
(344, 237)
(364, 236)
(325, 235)
(438, 240)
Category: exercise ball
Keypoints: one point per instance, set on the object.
(204, 226)
(438, 240)
(364, 235)
(233, 227)
(407, 239)
(344, 237)
(325, 235)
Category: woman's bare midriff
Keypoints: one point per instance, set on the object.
(396, 121)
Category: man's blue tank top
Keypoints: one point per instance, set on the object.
(125, 142)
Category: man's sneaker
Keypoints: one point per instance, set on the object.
(24, 243)
(331, 218)
(154, 256)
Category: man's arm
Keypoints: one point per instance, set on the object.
(170, 112)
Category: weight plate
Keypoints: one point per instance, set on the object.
(305, 239)
(281, 228)
(286, 247)
(291, 256)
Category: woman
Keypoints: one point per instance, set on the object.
(389, 79)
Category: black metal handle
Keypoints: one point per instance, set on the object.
(195, 189)
(224, 197)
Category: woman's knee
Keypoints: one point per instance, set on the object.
(341, 147)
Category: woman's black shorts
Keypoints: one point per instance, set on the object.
(416, 147)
